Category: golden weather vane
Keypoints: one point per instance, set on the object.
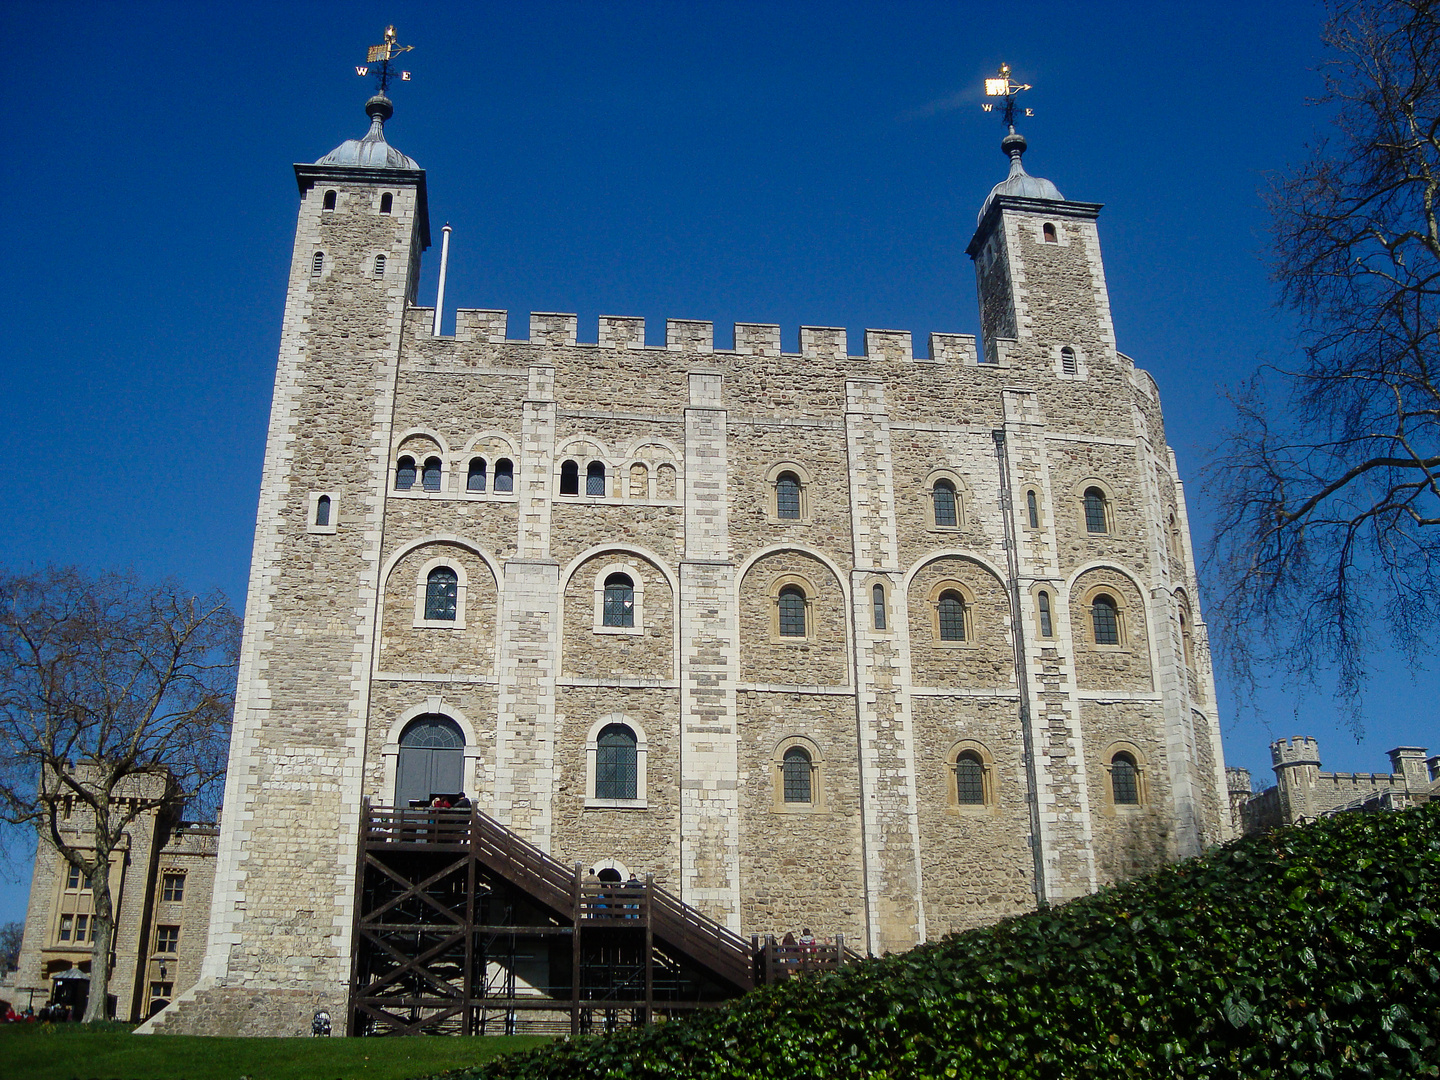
(1002, 87)
(382, 54)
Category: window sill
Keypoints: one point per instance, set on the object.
(622, 631)
(970, 810)
(773, 520)
(797, 808)
(616, 804)
(438, 624)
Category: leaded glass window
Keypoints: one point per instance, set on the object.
(877, 601)
(504, 476)
(619, 601)
(595, 478)
(1033, 507)
(1124, 780)
(1106, 620)
(792, 611)
(1047, 627)
(1095, 510)
(322, 511)
(787, 496)
(475, 478)
(944, 499)
(405, 474)
(616, 768)
(952, 616)
(430, 477)
(969, 780)
(795, 771)
(442, 589)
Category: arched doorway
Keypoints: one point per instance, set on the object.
(432, 759)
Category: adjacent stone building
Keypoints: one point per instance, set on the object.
(1303, 793)
(160, 884)
(875, 641)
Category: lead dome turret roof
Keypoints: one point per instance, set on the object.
(371, 152)
(1019, 182)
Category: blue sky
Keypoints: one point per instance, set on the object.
(760, 162)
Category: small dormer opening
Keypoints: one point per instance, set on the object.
(329, 203)
(1050, 236)
(1068, 364)
(387, 203)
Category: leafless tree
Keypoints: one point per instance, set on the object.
(10, 936)
(115, 700)
(1329, 484)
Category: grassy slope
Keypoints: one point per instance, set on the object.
(62, 1052)
(1312, 951)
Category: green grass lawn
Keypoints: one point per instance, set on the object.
(73, 1052)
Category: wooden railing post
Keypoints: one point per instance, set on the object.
(575, 958)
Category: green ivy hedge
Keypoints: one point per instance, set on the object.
(1311, 951)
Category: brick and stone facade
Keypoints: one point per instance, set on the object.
(681, 451)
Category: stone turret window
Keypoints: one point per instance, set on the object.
(317, 264)
(1124, 780)
(405, 474)
(475, 478)
(877, 606)
(1069, 365)
(1032, 507)
(946, 514)
(329, 203)
(570, 478)
(595, 478)
(795, 768)
(379, 266)
(1049, 231)
(387, 203)
(1047, 626)
(322, 510)
(442, 588)
(504, 476)
(430, 478)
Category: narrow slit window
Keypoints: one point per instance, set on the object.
(570, 478)
(951, 611)
(317, 264)
(329, 203)
(943, 495)
(1095, 511)
(379, 266)
(1047, 628)
(619, 601)
(877, 603)
(1124, 780)
(787, 496)
(1105, 618)
(504, 476)
(322, 510)
(1068, 364)
(792, 611)
(430, 478)
(475, 478)
(969, 779)
(442, 590)
(595, 478)
(387, 203)
(1032, 505)
(405, 474)
(796, 769)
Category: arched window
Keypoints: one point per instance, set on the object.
(792, 611)
(609, 875)
(1105, 618)
(432, 760)
(619, 601)
(877, 605)
(595, 478)
(787, 496)
(322, 511)
(504, 476)
(796, 773)
(639, 481)
(379, 266)
(1047, 628)
(317, 264)
(665, 481)
(616, 772)
(1032, 505)
(1186, 642)
(943, 495)
(1095, 511)
(329, 200)
(969, 779)
(475, 478)
(569, 478)
(387, 203)
(1068, 364)
(1049, 230)
(1124, 780)
(405, 474)
(430, 478)
(951, 610)
(442, 588)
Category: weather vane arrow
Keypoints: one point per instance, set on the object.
(1002, 87)
(382, 55)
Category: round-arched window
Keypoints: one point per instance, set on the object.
(787, 496)
(969, 779)
(1095, 511)
(442, 590)
(405, 473)
(951, 611)
(619, 601)
(1124, 780)
(796, 769)
(432, 760)
(943, 496)
(792, 611)
(616, 763)
(1105, 618)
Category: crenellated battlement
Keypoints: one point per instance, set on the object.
(698, 335)
(1295, 751)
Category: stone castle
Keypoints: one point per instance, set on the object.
(884, 644)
